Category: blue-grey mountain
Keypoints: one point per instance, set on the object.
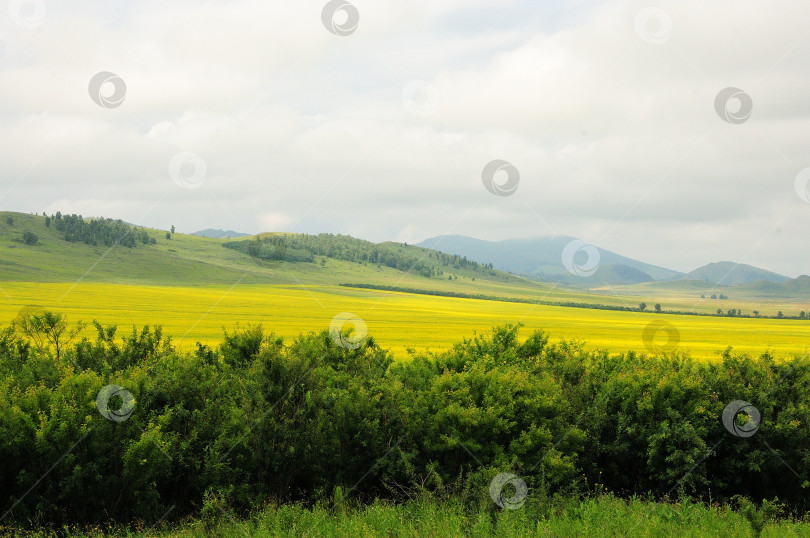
(219, 234)
(542, 258)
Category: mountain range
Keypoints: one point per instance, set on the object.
(568, 260)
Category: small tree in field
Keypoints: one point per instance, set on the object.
(172, 228)
(46, 328)
(642, 306)
(658, 307)
(719, 312)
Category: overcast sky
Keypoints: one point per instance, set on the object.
(276, 116)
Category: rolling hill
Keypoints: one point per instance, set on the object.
(792, 288)
(187, 259)
(732, 274)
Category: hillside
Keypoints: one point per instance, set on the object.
(731, 274)
(542, 259)
(192, 260)
(792, 288)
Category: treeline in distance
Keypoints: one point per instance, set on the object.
(304, 247)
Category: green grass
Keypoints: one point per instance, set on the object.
(685, 295)
(190, 260)
(600, 516)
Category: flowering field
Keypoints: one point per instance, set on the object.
(395, 320)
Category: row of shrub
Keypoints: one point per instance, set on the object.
(259, 420)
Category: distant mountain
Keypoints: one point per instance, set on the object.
(732, 274)
(790, 289)
(219, 234)
(542, 258)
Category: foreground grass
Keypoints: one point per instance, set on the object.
(601, 516)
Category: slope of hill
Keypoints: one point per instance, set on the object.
(193, 260)
(542, 258)
(792, 288)
(732, 274)
(219, 234)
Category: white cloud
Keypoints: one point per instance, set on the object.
(616, 139)
(274, 222)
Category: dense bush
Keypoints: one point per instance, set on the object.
(30, 238)
(258, 420)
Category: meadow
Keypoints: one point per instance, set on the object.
(600, 516)
(398, 321)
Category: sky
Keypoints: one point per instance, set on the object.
(608, 121)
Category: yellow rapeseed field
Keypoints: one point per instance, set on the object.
(396, 320)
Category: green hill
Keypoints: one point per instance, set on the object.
(731, 274)
(191, 260)
(793, 288)
(610, 274)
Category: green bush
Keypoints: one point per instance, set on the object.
(261, 420)
(30, 238)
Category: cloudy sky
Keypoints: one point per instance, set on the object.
(286, 116)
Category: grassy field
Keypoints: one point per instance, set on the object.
(600, 516)
(396, 320)
(685, 295)
(191, 260)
